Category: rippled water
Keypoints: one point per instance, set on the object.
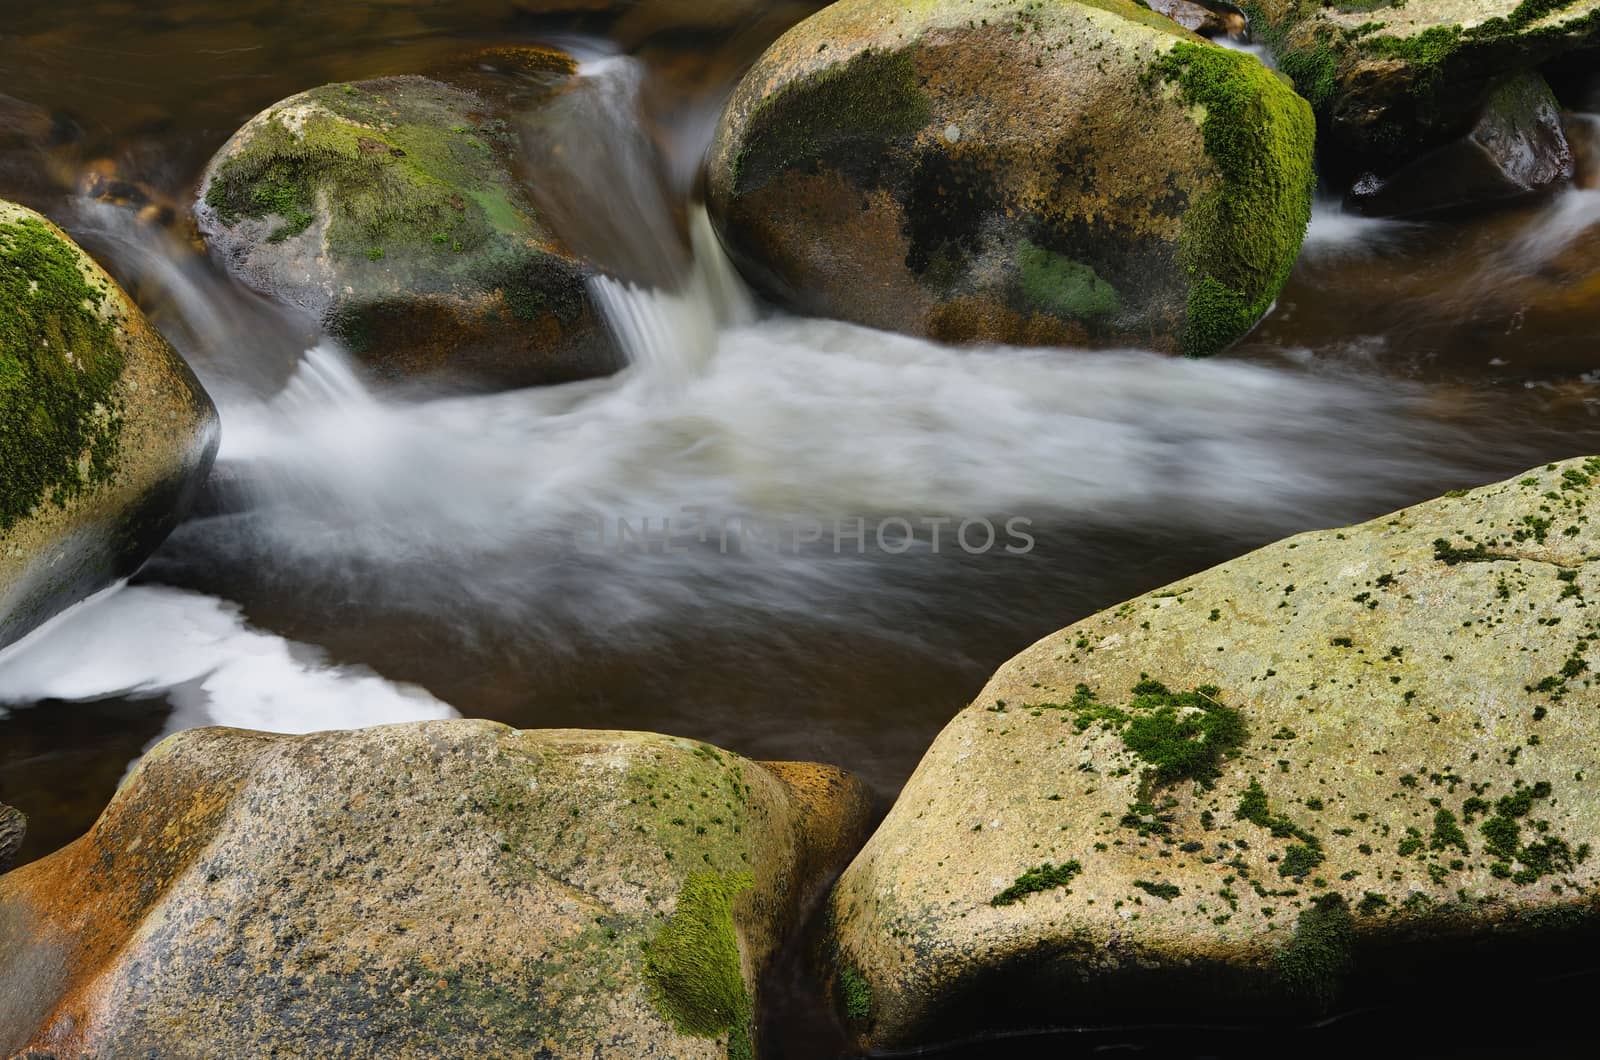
(382, 552)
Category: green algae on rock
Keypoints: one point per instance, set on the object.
(439, 888)
(1409, 766)
(104, 432)
(982, 170)
(1391, 81)
(388, 208)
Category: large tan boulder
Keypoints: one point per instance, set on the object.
(444, 888)
(105, 434)
(1068, 173)
(1331, 756)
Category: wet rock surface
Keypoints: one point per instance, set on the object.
(1518, 147)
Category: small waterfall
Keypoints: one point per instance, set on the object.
(670, 335)
(599, 172)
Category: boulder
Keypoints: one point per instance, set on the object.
(432, 889)
(105, 434)
(1336, 755)
(1518, 147)
(1391, 82)
(1072, 173)
(388, 208)
(13, 829)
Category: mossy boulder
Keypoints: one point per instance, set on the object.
(389, 209)
(105, 434)
(433, 889)
(1341, 754)
(1517, 148)
(1068, 173)
(1392, 81)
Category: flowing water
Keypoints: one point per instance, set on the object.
(765, 532)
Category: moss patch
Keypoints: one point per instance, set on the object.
(857, 994)
(402, 165)
(1240, 240)
(1315, 959)
(1057, 284)
(693, 963)
(1046, 877)
(59, 366)
(871, 98)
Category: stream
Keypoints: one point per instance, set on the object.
(733, 538)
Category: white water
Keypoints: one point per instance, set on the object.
(471, 504)
(469, 510)
(1335, 232)
(213, 667)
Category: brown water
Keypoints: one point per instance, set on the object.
(360, 539)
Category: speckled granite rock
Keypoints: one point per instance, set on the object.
(1078, 173)
(441, 888)
(105, 434)
(1392, 81)
(1352, 742)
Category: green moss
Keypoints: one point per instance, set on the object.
(1044, 877)
(693, 963)
(1183, 735)
(1446, 833)
(824, 117)
(381, 163)
(1241, 238)
(1300, 858)
(1451, 555)
(1372, 904)
(1501, 835)
(857, 994)
(1066, 288)
(59, 366)
(1313, 963)
(1164, 891)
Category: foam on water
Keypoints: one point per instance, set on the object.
(1338, 233)
(211, 664)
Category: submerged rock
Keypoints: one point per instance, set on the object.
(1084, 173)
(440, 888)
(1393, 81)
(105, 434)
(13, 829)
(1331, 755)
(389, 209)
